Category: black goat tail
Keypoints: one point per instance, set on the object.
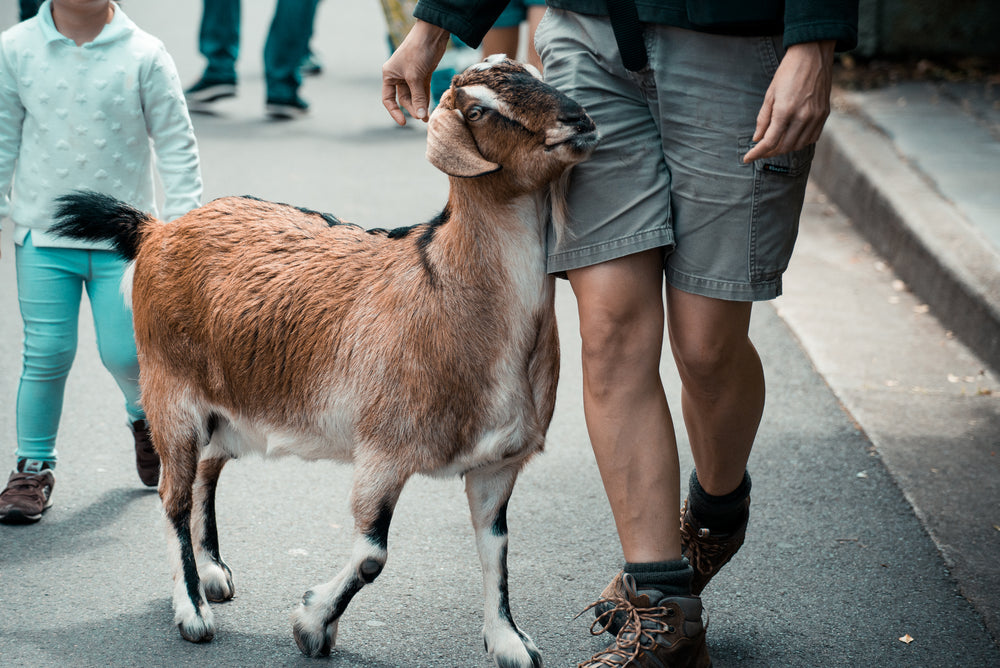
(94, 216)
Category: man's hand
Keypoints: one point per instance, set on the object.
(796, 103)
(407, 73)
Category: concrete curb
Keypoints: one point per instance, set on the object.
(944, 259)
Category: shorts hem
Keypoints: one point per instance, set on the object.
(728, 290)
(609, 250)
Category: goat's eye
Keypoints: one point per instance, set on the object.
(474, 114)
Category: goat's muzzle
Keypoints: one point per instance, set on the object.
(578, 133)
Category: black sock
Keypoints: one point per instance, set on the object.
(720, 513)
(669, 577)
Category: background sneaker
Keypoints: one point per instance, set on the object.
(311, 66)
(286, 109)
(206, 91)
(28, 493)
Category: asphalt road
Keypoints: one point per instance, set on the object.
(838, 565)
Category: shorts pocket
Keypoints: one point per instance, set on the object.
(778, 193)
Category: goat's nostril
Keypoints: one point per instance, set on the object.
(579, 123)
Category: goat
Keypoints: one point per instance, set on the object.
(272, 329)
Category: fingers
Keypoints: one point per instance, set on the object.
(406, 76)
(784, 133)
(797, 101)
(390, 104)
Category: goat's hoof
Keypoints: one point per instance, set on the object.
(197, 630)
(315, 643)
(513, 650)
(217, 580)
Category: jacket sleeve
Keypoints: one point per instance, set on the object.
(169, 126)
(469, 20)
(11, 120)
(817, 20)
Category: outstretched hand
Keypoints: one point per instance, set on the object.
(406, 76)
(797, 102)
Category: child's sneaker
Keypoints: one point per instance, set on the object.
(147, 462)
(28, 493)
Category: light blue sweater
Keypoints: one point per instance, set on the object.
(90, 117)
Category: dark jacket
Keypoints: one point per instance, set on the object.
(796, 20)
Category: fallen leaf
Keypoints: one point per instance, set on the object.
(923, 308)
(907, 639)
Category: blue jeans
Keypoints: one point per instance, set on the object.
(50, 284)
(29, 8)
(286, 46)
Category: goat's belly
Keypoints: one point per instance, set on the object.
(235, 437)
(510, 441)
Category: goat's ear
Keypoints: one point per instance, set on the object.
(451, 147)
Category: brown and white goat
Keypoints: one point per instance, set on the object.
(432, 349)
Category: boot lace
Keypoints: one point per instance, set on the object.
(701, 553)
(638, 632)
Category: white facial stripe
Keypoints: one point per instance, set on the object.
(489, 62)
(487, 98)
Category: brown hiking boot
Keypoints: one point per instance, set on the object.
(147, 462)
(660, 630)
(708, 552)
(28, 493)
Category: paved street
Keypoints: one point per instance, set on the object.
(839, 563)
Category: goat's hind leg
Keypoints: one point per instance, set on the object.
(179, 466)
(216, 577)
(489, 491)
(373, 498)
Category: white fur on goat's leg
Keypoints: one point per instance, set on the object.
(316, 619)
(488, 492)
(216, 577)
(192, 615)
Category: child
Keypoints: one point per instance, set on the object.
(86, 97)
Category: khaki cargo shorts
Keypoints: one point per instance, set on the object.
(669, 170)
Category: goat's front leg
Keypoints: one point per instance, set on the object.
(373, 498)
(489, 491)
(179, 466)
(216, 577)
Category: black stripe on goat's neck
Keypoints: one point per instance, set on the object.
(427, 238)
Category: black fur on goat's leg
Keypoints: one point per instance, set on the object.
(316, 620)
(191, 612)
(215, 574)
(489, 491)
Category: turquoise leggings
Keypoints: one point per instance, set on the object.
(50, 282)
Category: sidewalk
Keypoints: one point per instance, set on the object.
(913, 169)
(917, 166)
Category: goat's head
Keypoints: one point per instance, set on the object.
(499, 115)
